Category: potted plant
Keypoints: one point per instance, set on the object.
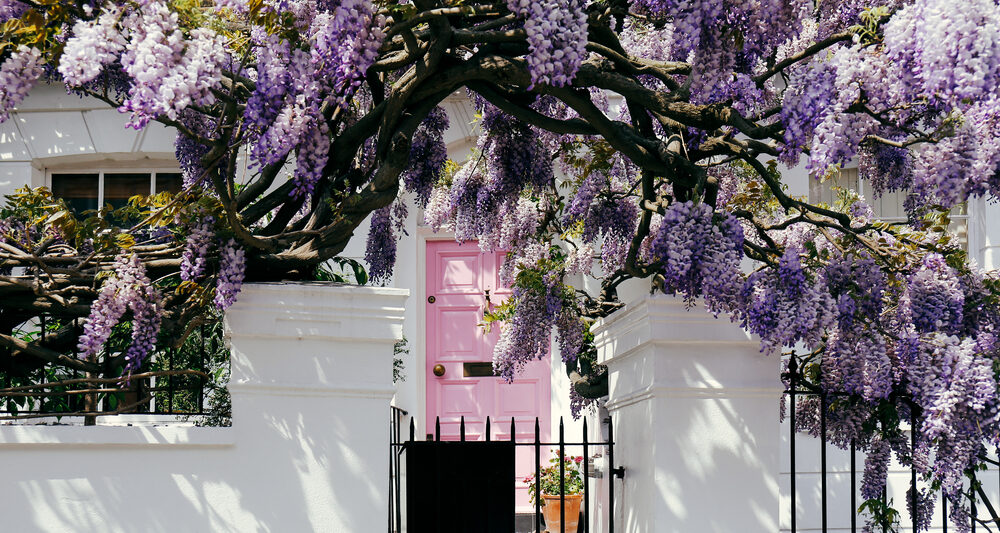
(552, 500)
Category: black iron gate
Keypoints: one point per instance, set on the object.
(468, 486)
(460, 486)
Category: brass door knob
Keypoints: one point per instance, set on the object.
(439, 370)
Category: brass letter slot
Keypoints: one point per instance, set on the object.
(477, 370)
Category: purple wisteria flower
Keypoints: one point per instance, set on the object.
(380, 254)
(428, 155)
(933, 299)
(557, 38)
(18, 75)
(701, 254)
(525, 337)
(94, 45)
(11, 9)
(232, 270)
(955, 386)
(786, 305)
(169, 71)
(196, 249)
(127, 288)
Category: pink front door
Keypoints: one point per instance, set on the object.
(458, 278)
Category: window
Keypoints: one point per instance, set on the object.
(90, 190)
(889, 206)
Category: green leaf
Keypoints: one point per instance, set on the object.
(125, 240)
(359, 273)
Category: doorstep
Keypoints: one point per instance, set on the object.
(524, 523)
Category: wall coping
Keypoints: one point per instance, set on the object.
(318, 311)
(333, 298)
(663, 319)
(345, 287)
(21, 436)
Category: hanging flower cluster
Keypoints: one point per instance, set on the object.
(787, 305)
(200, 243)
(232, 270)
(700, 255)
(557, 38)
(196, 249)
(170, 71)
(18, 75)
(428, 155)
(128, 288)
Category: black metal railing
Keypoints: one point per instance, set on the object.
(172, 381)
(608, 445)
(795, 390)
(395, 479)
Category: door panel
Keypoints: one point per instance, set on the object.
(457, 323)
(458, 277)
(459, 273)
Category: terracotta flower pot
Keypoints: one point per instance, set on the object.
(550, 510)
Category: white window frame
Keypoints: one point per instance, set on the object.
(817, 189)
(101, 171)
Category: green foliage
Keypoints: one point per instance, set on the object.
(39, 28)
(400, 348)
(204, 349)
(871, 20)
(181, 393)
(13, 375)
(106, 230)
(531, 280)
(754, 194)
(883, 515)
(550, 481)
(342, 270)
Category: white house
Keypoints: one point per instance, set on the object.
(81, 149)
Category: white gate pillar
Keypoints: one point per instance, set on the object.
(695, 410)
(312, 374)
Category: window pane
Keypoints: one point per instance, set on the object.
(822, 191)
(118, 188)
(79, 190)
(170, 182)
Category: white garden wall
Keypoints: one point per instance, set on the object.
(308, 449)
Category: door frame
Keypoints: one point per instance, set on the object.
(424, 235)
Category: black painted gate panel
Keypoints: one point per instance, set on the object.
(460, 487)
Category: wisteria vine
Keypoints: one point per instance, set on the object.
(615, 140)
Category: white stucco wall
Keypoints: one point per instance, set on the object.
(307, 450)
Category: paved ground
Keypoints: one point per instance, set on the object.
(524, 523)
